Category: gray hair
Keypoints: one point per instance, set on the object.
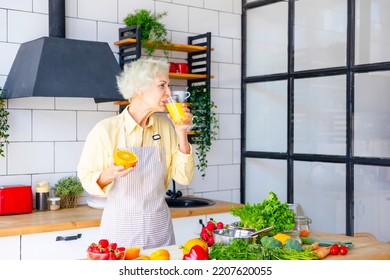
(139, 75)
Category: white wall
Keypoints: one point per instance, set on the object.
(47, 134)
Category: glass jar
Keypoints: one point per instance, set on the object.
(42, 190)
(54, 203)
(302, 225)
(294, 234)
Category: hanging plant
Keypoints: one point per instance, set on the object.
(3, 124)
(153, 33)
(205, 124)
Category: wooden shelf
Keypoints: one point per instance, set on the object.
(181, 76)
(121, 102)
(167, 46)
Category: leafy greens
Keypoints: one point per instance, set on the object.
(270, 212)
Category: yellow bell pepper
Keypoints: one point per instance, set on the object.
(282, 237)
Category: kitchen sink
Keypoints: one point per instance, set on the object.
(183, 202)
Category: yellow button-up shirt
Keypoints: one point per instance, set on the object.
(104, 139)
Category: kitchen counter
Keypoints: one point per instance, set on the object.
(363, 248)
(84, 217)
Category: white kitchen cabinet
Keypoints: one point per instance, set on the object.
(10, 248)
(187, 228)
(190, 227)
(58, 245)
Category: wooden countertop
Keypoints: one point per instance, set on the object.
(83, 217)
(363, 248)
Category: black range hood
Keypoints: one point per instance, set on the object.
(58, 67)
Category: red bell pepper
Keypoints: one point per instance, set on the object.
(196, 253)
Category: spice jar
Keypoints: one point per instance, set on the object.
(302, 225)
(54, 203)
(42, 190)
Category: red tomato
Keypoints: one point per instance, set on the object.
(334, 250)
(220, 225)
(343, 250)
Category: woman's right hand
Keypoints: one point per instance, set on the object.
(113, 171)
(119, 171)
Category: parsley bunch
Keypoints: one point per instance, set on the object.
(239, 249)
(270, 212)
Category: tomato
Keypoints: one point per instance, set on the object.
(334, 250)
(343, 250)
(220, 225)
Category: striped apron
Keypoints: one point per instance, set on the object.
(136, 213)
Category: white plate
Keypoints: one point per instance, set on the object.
(94, 204)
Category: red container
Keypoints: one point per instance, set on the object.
(182, 68)
(15, 200)
(172, 67)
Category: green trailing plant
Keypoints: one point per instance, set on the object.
(4, 127)
(153, 32)
(205, 124)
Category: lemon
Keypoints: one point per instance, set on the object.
(160, 254)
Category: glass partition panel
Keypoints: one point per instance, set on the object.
(372, 200)
(372, 114)
(320, 34)
(266, 117)
(372, 31)
(320, 115)
(266, 44)
(263, 176)
(320, 190)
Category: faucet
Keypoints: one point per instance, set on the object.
(173, 194)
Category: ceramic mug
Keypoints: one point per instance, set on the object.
(181, 94)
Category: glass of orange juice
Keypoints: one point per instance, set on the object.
(175, 109)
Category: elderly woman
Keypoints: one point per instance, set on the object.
(136, 213)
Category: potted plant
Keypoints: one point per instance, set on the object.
(3, 124)
(205, 124)
(153, 33)
(69, 190)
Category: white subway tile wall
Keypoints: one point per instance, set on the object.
(3, 25)
(81, 29)
(47, 134)
(18, 21)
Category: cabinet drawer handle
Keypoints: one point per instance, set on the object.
(68, 238)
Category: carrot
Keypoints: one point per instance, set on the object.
(322, 252)
(311, 247)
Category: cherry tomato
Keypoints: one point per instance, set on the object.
(343, 250)
(334, 250)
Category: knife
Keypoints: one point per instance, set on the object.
(324, 242)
